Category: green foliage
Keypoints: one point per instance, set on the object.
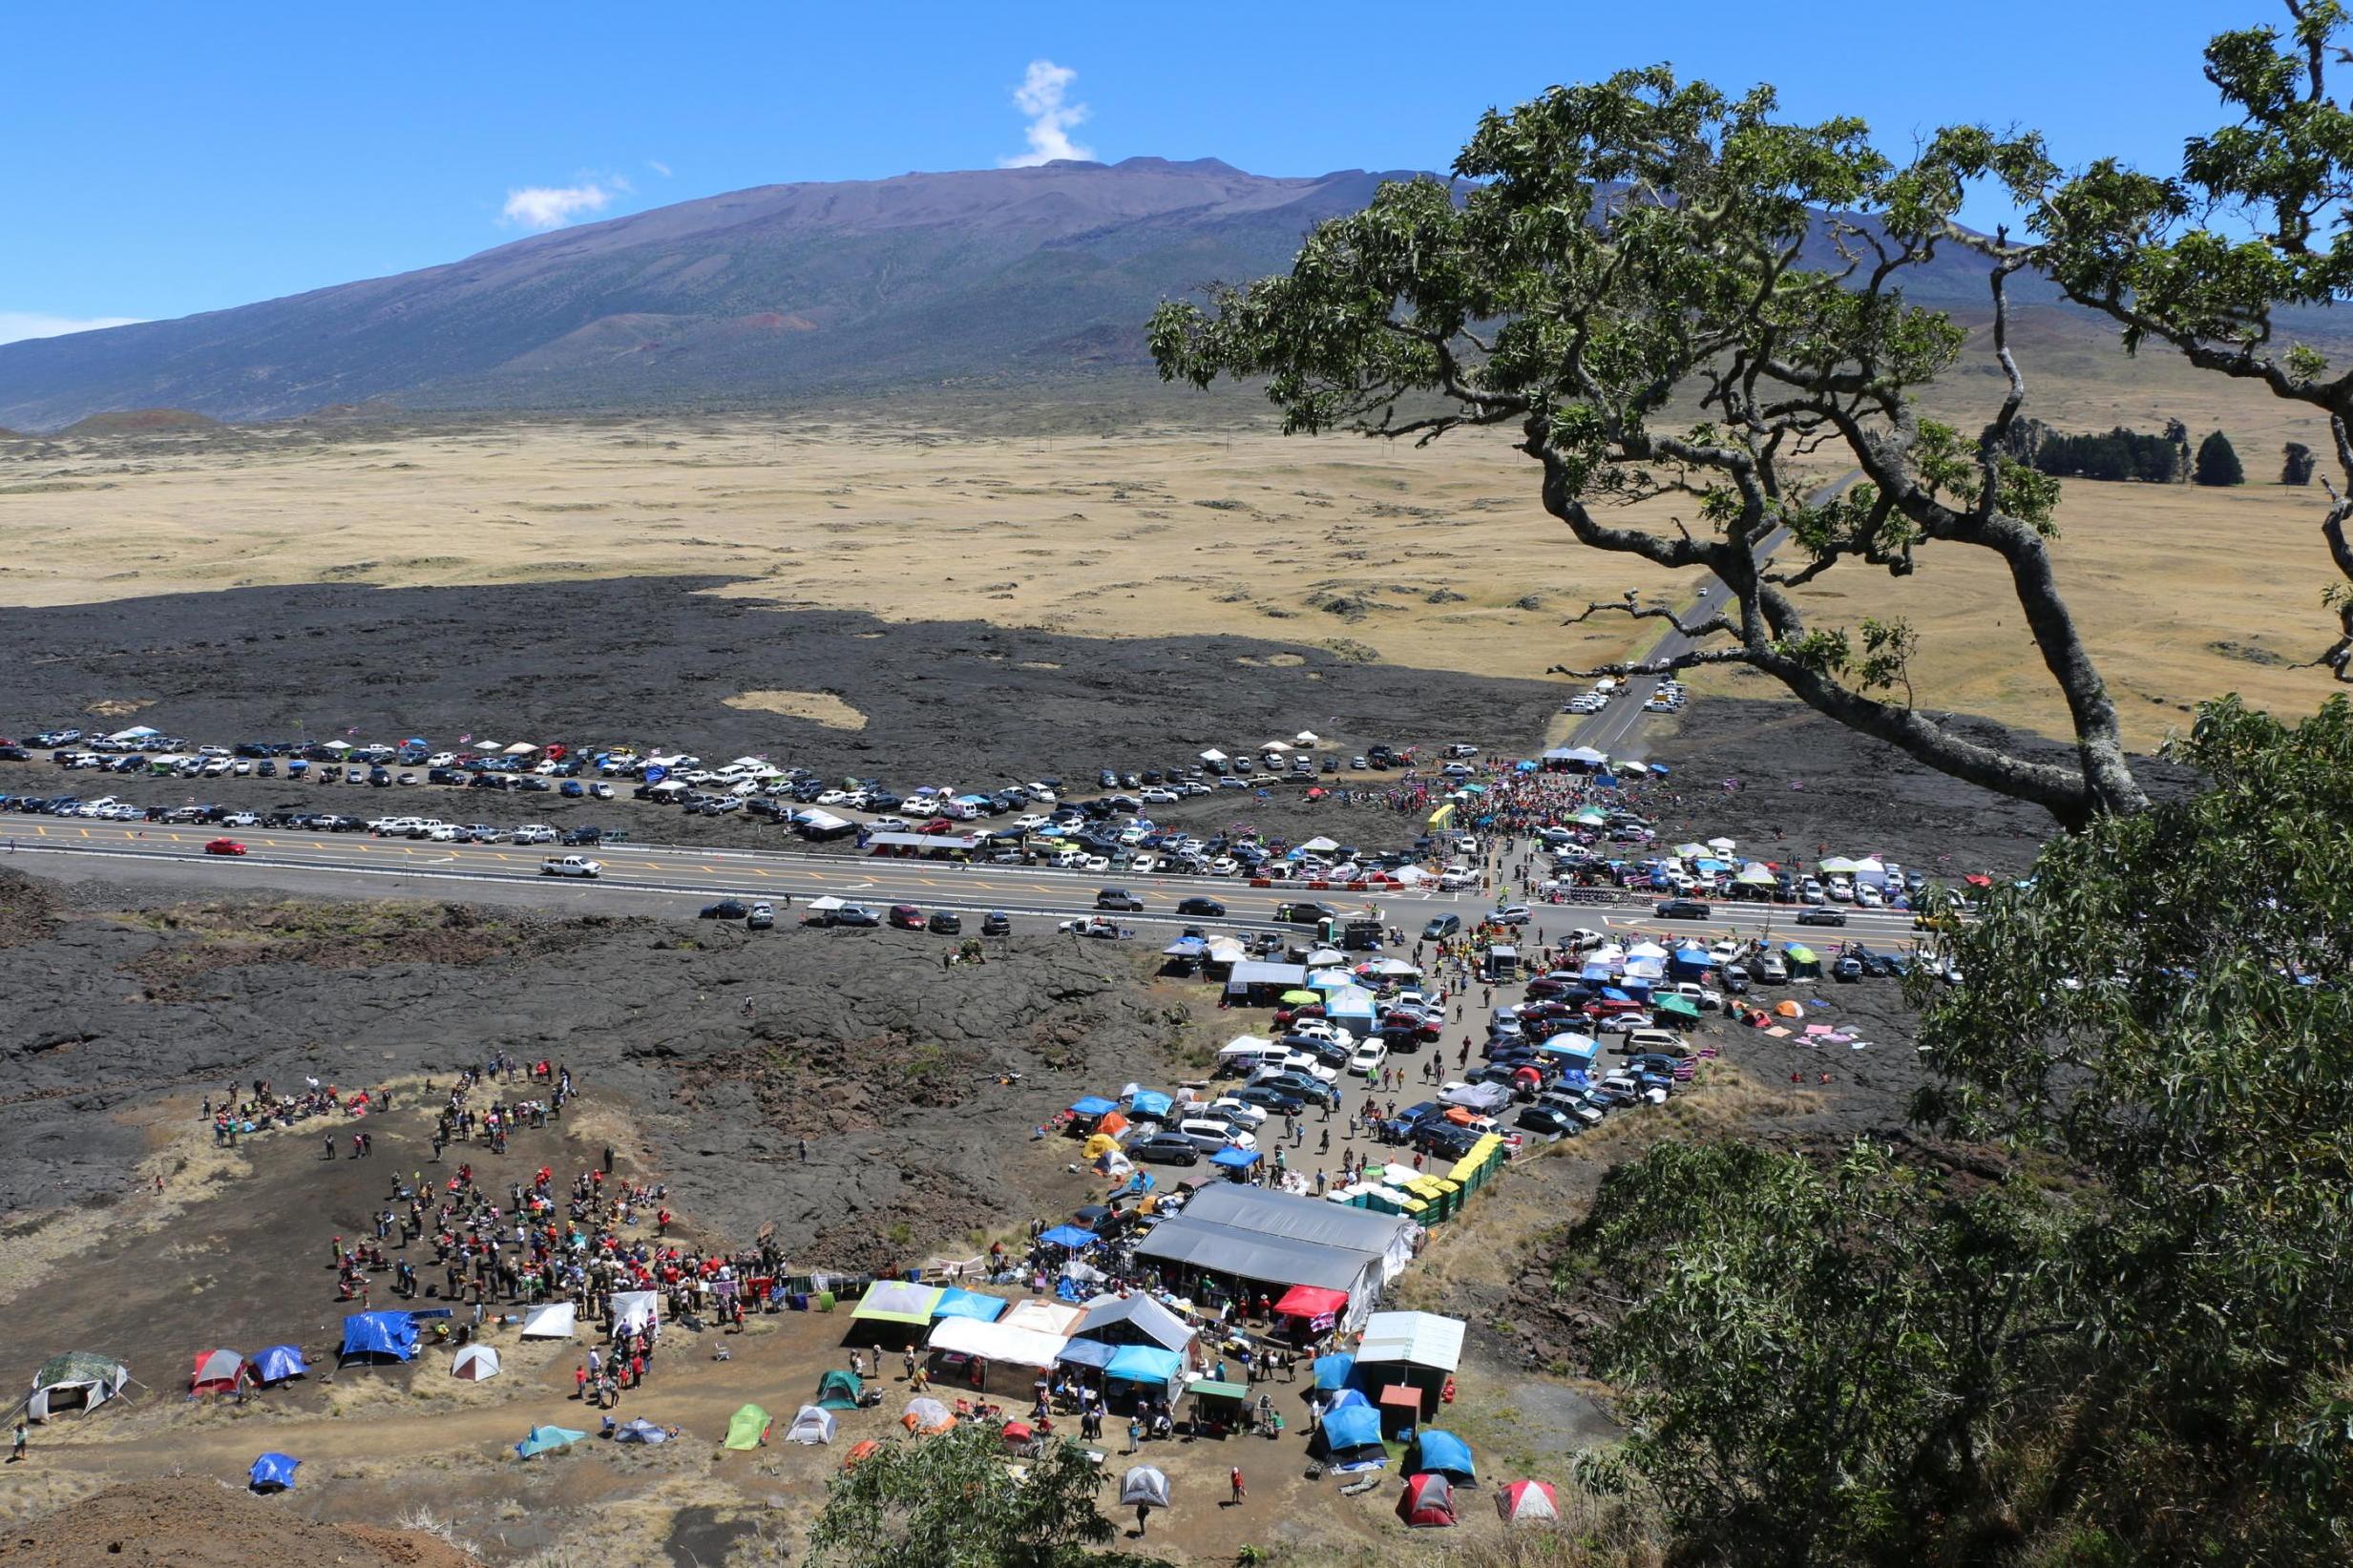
(2119, 454)
(2131, 1348)
(2218, 462)
(2295, 463)
(951, 1502)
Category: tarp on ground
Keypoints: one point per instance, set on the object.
(1528, 1500)
(272, 1473)
(926, 1414)
(812, 1424)
(995, 1342)
(957, 1303)
(556, 1320)
(898, 1301)
(747, 1428)
(641, 1431)
(839, 1390)
(1427, 1502)
(1069, 1236)
(1143, 1364)
(546, 1439)
(476, 1364)
(1442, 1454)
(279, 1363)
(1418, 1339)
(1333, 1372)
(1059, 1318)
(635, 1309)
(216, 1372)
(1143, 1484)
(391, 1334)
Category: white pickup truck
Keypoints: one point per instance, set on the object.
(571, 865)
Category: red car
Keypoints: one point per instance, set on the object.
(906, 917)
(224, 846)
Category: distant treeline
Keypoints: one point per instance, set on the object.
(2163, 459)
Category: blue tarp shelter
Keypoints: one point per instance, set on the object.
(1184, 947)
(279, 1363)
(954, 1303)
(1143, 1364)
(1088, 1352)
(272, 1473)
(1442, 1454)
(545, 1439)
(1072, 1237)
(1149, 1102)
(1093, 1105)
(1333, 1371)
(1691, 961)
(379, 1334)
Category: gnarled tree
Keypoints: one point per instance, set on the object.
(2224, 260)
(1667, 292)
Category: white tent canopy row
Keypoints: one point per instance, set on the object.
(998, 1342)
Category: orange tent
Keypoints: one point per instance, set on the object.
(1788, 1010)
(1113, 1123)
(862, 1449)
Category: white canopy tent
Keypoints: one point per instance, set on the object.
(556, 1320)
(996, 1342)
(635, 1309)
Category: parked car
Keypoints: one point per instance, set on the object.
(946, 923)
(1166, 1149)
(996, 923)
(727, 909)
(760, 918)
(906, 917)
(856, 915)
(1547, 1118)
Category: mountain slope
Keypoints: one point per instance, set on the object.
(779, 290)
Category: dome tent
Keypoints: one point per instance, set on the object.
(1143, 1484)
(476, 1364)
(1528, 1503)
(218, 1372)
(1427, 1502)
(545, 1440)
(813, 1424)
(1443, 1453)
(747, 1428)
(272, 1473)
(76, 1380)
(279, 1363)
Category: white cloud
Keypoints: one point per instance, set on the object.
(658, 167)
(553, 207)
(16, 325)
(1041, 97)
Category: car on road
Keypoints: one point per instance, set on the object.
(224, 846)
(906, 917)
(580, 865)
(1166, 1149)
(762, 917)
(946, 923)
(1117, 898)
(1516, 915)
(1681, 909)
(996, 923)
(1440, 926)
(1821, 915)
(727, 909)
(1209, 906)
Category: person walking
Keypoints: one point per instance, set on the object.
(1233, 1479)
(16, 1445)
(1143, 1510)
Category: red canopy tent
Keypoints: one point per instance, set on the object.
(1318, 1308)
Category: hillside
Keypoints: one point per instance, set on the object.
(780, 291)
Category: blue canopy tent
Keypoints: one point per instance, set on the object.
(1093, 1105)
(392, 1334)
(1088, 1352)
(1615, 993)
(1606, 781)
(272, 1473)
(1235, 1160)
(1333, 1372)
(1071, 1237)
(1351, 1438)
(1149, 1102)
(279, 1363)
(1442, 1454)
(1692, 961)
(954, 1303)
(1146, 1364)
(1594, 971)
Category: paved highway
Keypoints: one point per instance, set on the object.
(650, 880)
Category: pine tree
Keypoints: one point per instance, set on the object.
(2218, 462)
(2295, 463)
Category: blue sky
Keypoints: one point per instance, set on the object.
(166, 158)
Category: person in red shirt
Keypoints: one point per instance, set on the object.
(579, 1380)
(1233, 1478)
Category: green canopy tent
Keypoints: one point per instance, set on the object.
(1677, 1007)
(1803, 961)
(546, 1440)
(1301, 998)
(747, 1428)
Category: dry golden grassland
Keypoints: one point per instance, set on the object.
(1438, 557)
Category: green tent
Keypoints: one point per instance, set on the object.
(839, 1390)
(1799, 953)
(747, 1428)
(1677, 1007)
(543, 1439)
